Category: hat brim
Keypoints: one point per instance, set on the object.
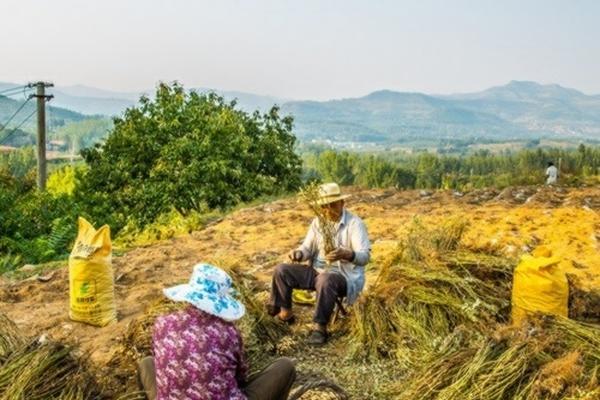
(222, 306)
(332, 199)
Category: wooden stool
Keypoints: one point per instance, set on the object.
(339, 309)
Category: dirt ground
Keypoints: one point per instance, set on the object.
(509, 223)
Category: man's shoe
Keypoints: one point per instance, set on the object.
(317, 338)
(288, 321)
(273, 310)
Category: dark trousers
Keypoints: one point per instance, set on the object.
(272, 383)
(329, 286)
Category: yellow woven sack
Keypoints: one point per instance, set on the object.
(539, 284)
(92, 297)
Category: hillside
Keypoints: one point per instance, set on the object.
(518, 110)
(93, 101)
(505, 223)
(56, 117)
(83, 100)
(92, 106)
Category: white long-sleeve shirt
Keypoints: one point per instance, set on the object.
(351, 233)
(552, 174)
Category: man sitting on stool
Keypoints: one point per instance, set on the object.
(345, 277)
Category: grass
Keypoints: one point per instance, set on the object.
(41, 369)
(549, 358)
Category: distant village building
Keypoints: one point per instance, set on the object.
(56, 145)
(7, 149)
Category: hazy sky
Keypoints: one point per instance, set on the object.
(302, 49)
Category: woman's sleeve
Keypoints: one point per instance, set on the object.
(242, 362)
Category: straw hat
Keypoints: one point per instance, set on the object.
(330, 193)
(210, 290)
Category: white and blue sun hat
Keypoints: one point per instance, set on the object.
(210, 289)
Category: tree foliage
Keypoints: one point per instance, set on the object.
(79, 135)
(432, 171)
(34, 226)
(188, 151)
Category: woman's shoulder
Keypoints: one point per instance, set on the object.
(191, 316)
(172, 319)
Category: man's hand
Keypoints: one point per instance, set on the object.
(340, 254)
(295, 255)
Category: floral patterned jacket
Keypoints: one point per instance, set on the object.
(198, 357)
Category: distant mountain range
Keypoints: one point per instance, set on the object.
(518, 110)
(93, 101)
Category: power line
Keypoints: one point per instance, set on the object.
(3, 127)
(15, 92)
(11, 94)
(14, 130)
(16, 88)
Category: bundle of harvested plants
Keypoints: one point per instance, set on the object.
(426, 290)
(10, 337)
(46, 370)
(549, 358)
(310, 195)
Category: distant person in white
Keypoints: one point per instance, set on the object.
(551, 174)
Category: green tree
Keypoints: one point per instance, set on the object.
(82, 134)
(379, 173)
(186, 151)
(429, 172)
(18, 163)
(336, 167)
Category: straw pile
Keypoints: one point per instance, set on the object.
(426, 296)
(260, 331)
(319, 390)
(10, 337)
(41, 369)
(437, 309)
(550, 358)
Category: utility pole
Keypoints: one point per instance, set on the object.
(41, 97)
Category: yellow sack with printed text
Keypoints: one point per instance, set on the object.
(91, 287)
(539, 285)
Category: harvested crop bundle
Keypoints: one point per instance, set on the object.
(549, 358)
(427, 296)
(10, 337)
(46, 370)
(311, 196)
(414, 313)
